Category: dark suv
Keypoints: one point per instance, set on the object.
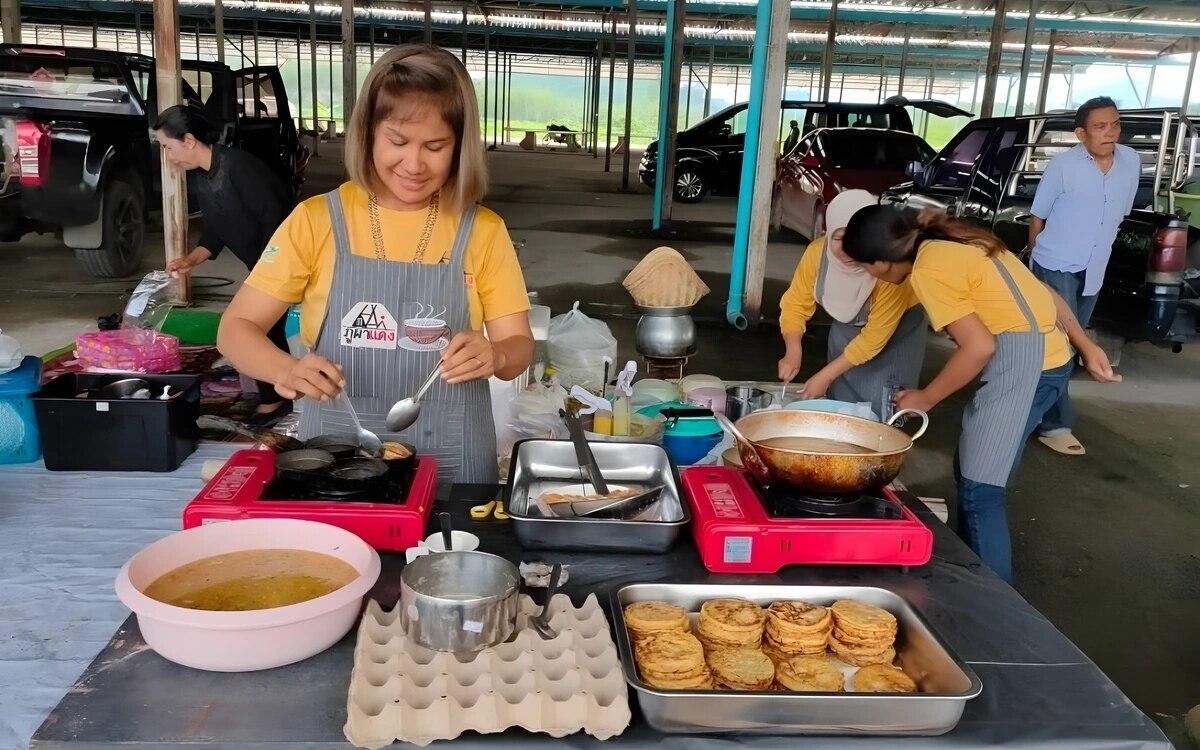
(989, 174)
(78, 158)
(708, 155)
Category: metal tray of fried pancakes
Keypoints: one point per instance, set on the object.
(941, 683)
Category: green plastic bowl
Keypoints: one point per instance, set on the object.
(193, 327)
(697, 427)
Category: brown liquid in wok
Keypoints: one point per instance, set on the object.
(814, 445)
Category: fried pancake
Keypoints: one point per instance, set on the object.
(809, 674)
(742, 669)
(644, 618)
(880, 678)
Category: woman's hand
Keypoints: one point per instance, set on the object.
(789, 366)
(816, 387)
(916, 399)
(1098, 366)
(470, 356)
(312, 376)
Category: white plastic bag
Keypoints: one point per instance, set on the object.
(11, 355)
(578, 347)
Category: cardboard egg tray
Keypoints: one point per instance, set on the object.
(400, 691)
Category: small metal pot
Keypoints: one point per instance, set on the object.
(302, 465)
(743, 400)
(459, 602)
(338, 445)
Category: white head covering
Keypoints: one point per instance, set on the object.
(847, 286)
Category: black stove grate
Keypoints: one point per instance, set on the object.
(786, 502)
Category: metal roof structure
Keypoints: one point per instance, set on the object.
(955, 32)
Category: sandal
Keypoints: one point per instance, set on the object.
(1065, 443)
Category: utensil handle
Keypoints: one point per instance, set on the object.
(447, 537)
(915, 412)
(583, 452)
(437, 370)
(349, 407)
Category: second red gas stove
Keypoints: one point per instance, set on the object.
(741, 527)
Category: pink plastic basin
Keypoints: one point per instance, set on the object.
(258, 639)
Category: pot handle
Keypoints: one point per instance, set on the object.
(903, 412)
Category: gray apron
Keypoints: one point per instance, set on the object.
(897, 366)
(373, 308)
(994, 422)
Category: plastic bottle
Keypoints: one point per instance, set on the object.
(602, 423)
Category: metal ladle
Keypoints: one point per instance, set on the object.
(752, 462)
(404, 412)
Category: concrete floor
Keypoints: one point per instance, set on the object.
(1105, 544)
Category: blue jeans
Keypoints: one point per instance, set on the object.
(1061, 417)
(983, 508)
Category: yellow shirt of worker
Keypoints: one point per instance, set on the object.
(953, 280)
(888, 303)
(298, 265)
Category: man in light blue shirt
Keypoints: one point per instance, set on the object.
(1084, 195)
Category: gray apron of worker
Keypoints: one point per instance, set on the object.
(386, 323)
(994, 421)
(896, 367)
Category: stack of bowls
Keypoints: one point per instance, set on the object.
(690, 439)
(704, 391)
(654, 391)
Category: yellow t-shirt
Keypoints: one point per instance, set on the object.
(889, 302)
(953, 280)
(297, 266)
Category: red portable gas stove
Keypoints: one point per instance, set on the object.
(741, 527)
(247, 487)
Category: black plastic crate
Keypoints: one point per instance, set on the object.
(88, 434)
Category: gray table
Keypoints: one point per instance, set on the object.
(1039, 690)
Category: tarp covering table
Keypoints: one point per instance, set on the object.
(1039, 691)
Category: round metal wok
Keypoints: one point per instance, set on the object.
(830, 472)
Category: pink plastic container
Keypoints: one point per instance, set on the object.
(259, 639)
(127, 350)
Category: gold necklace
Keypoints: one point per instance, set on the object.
(431, 217)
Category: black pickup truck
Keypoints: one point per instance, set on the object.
(79, 158)
(989, 174)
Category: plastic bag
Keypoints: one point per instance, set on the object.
(11, 355)
(149, 304)
(578, 347)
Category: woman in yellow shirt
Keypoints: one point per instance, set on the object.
(1005, 324)
(877, 340)
(397, 272)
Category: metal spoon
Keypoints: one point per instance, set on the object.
(541, 623)
(750, 458)
(367, 440)
(404, 412)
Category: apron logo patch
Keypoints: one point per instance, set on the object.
(369, 325)
(426, 329)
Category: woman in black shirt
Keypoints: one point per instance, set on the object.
(243, 203)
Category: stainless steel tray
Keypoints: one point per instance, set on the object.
(946, 684)
(540, 465)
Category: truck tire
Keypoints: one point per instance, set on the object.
(120, 251)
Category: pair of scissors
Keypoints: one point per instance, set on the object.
(490, 509)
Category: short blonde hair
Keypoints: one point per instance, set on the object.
(420, 71)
